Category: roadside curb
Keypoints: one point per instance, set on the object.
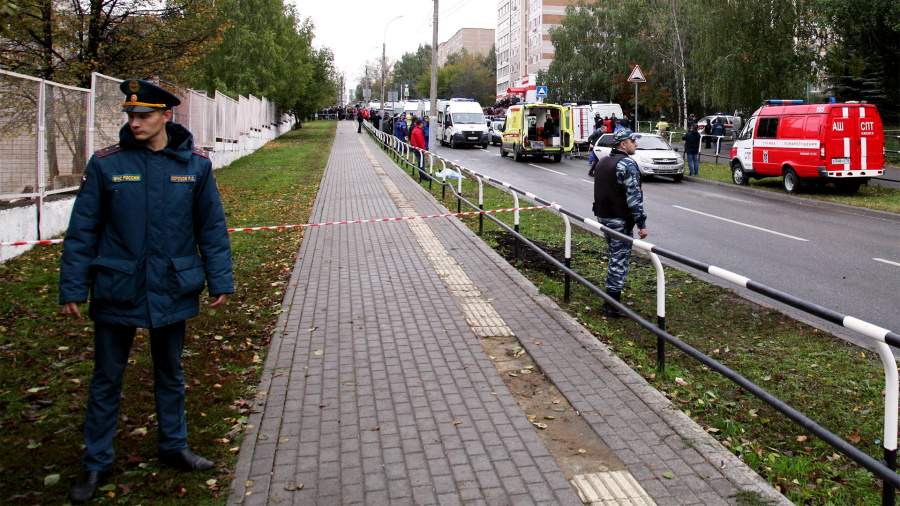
(781, 197)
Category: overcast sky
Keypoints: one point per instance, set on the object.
(353, 29)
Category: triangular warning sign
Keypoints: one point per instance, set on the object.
(636, 75)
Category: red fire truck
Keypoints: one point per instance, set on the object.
(841, 143)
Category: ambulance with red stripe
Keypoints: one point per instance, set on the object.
(841, 143)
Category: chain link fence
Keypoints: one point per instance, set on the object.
(48, 132)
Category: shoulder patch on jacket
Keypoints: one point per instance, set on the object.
(201, 152)
(108, 150)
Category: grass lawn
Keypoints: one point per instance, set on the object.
(47, 360)
(836, 384)
(869, 195)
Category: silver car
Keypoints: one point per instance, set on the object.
(654, 156)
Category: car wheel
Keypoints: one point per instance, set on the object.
(791, 181)
(557, 157)
(453, 144)
(738, 176)
(517, 152)
(503, 152)
(677, 178)
(484, 146)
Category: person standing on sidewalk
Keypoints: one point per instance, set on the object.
(146, 233)
(359, 120)
(619, 204)
(417, 141)
(692, 150)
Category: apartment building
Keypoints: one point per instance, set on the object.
(474, 40)
(523, 38)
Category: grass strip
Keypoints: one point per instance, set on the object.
(47, 360)
(835, 383)
(870, 196)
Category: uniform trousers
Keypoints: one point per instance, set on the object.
(112, 344)
(619, 253)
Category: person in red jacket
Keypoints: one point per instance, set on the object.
(417, 140)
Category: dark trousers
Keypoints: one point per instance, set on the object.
(112, 344)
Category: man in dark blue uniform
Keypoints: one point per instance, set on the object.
(147, 232)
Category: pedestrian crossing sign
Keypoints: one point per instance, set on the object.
(541, 91)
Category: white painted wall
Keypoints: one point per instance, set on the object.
(20, 223)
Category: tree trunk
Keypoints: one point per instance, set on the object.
(681, 66)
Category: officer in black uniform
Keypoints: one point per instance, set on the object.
(147, 232)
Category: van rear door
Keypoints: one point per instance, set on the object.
(871, 138)
(841, 152)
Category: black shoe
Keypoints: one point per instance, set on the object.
(83, 490)
(186, 460)
(608, 309)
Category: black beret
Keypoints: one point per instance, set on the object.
(144, 96)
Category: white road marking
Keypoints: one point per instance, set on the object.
(741, 224)
(723, 197)
(886, 261)
(548, 170)
(586, 181)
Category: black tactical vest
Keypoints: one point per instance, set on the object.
(609, 195)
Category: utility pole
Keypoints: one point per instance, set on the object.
(383, 65)
(384, 62)
(433, 128)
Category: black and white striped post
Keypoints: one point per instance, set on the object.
(480, 204)
(459, 181)
(515, 196)
(430, 169)
(567, 257)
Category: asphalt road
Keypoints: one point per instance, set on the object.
(842, 258)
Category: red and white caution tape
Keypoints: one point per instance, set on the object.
(326, 223)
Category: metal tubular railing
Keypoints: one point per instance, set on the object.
(882, 337)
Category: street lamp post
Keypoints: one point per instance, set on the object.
(384, 63)
(432, 129)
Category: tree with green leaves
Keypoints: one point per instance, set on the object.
(267, 50)
(696, 56)
(861, 50)
(409, 68)
(65, 41)
(464, 75)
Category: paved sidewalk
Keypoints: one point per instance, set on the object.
(376, 389)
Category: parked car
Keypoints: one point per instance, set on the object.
(654, 155)
(732, 123)
(839, 143)
(495, 128)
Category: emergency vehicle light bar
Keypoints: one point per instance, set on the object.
(779, 101)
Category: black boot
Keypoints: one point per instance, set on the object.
(84, 489)
(608, 309)
(186, 460)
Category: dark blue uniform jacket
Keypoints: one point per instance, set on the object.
(146, 231)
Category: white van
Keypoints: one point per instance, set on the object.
(606, 110)
(461, 123)
(411, 108)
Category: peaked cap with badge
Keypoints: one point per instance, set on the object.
(144, 96)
